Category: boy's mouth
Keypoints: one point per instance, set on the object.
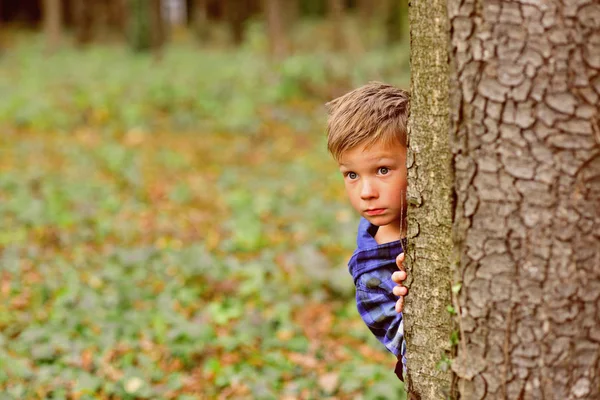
(375, 211)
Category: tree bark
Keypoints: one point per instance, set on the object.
(365, 10)
(335, 10)
(139, 25)
(291, 14)
(236, 13)
(396, 21)
(391, 20)
(275, 22)
(146, 26)
(117, 18)
(200, 19)
(52, 23)
(1, 27)
(158, 29)
(526, 149)
(84, 21)
(428, 324)
(101, 11)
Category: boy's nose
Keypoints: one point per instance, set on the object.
(367, 191)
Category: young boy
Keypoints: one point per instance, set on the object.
(366, 134)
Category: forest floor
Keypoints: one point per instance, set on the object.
(176, 229)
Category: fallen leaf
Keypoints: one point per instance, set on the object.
(329, 382)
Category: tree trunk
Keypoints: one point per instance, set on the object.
(525, 109)
(275, 22)
(1, 27)
(101, 11)
(52, 23)
(396, 21)
(117, 16)
(84, 21)
(158, 28)
(146, 26)
(391, 20)
(139, 25)
(291, 13)
(335, 9)
(236, 13)
(428, 324)
(361, 31)
(200, 19)
(365, 10)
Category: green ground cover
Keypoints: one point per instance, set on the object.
(176, 229)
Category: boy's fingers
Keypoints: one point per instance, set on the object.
(400, 291)
(399, 276)
(400, 261)
(400, 305)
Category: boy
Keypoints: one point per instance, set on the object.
(366, 134)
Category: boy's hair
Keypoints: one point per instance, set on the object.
(375, 112)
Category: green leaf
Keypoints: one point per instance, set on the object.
(456, 287)
(454, 338)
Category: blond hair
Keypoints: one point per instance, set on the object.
(375, 112)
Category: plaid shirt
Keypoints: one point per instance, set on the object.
(371, 267)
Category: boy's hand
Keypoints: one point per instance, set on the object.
(399, 277)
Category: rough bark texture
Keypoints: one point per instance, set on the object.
(527, 159)
(427, 323)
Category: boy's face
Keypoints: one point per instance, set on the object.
(375, 180)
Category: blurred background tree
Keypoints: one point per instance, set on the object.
(146, 23)
(52, 10)
(274, 11)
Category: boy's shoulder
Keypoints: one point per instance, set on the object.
(365, 237)
(369, 255)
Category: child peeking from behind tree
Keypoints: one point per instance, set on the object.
(366, 134)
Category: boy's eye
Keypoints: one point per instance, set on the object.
(384, 170)
(352, 175)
